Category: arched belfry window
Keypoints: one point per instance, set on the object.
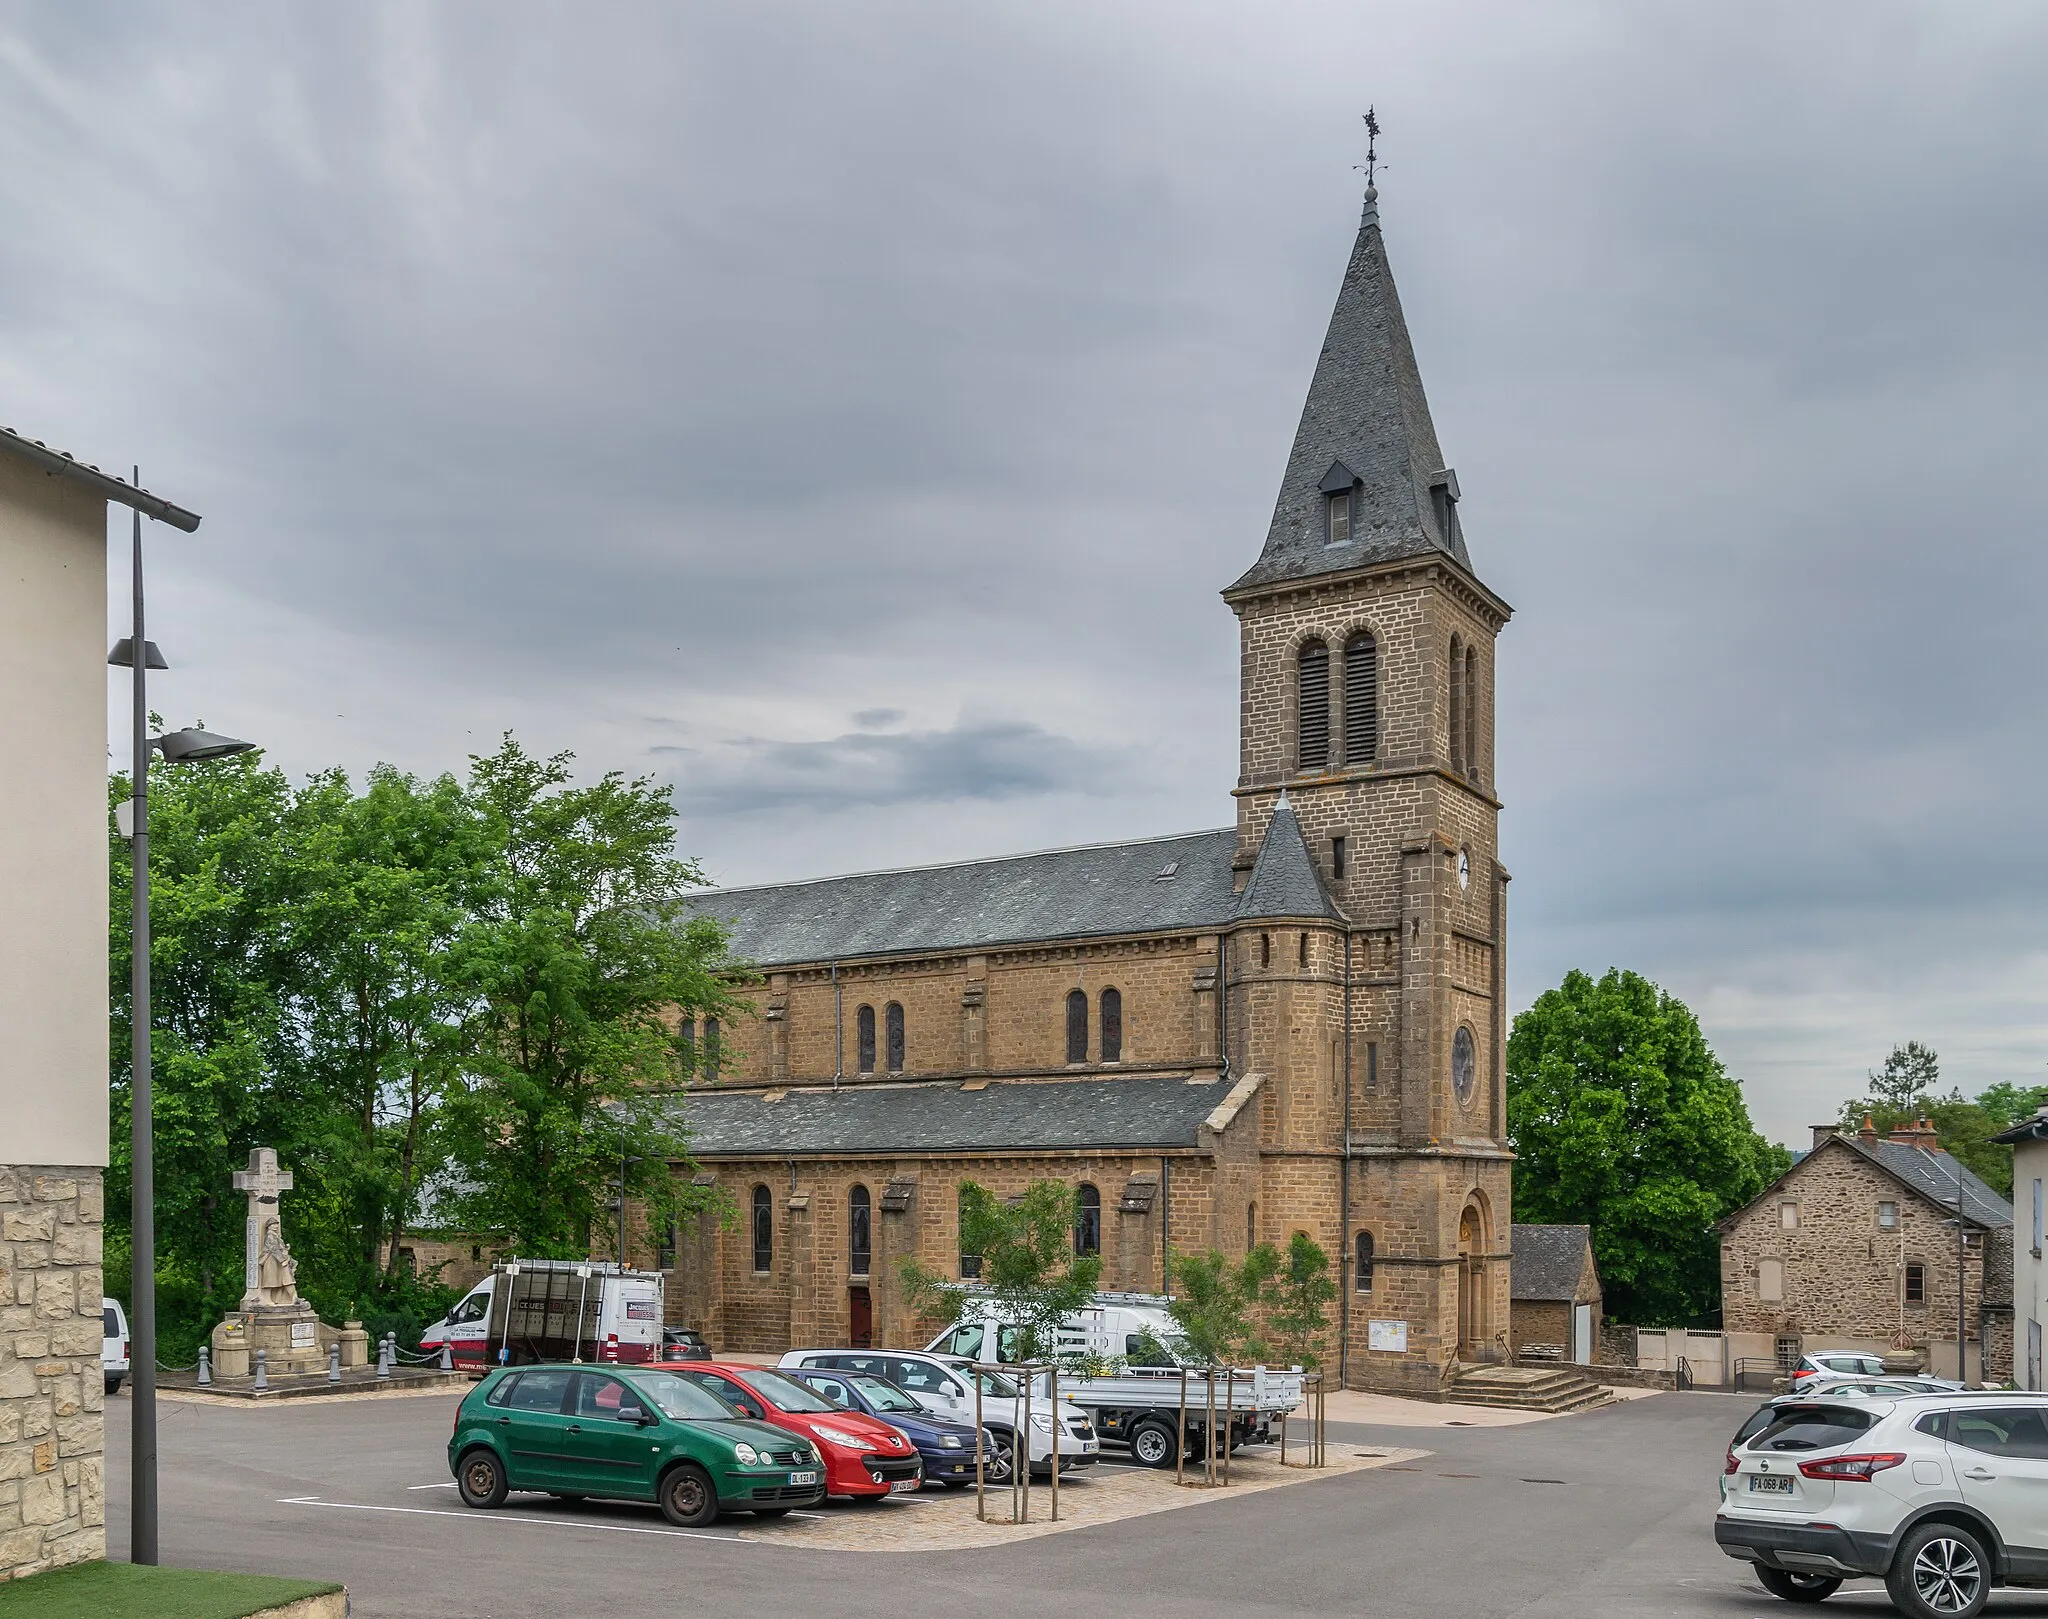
(1112, 1047)
(1457, 704)
(860, 1231)
(1361, 1275)
(764, 1229)
(1088, 1220)
(1312, 718)
(1471, 711)
(1361, 699)
(864, 1040)
(1077, 1025)
(892, 1022)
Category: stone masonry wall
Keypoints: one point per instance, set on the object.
(52, 1497)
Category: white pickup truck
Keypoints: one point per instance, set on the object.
(1141, 1404)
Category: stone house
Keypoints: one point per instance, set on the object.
(1292, 1023)
(2029, 1143)
(53, 995)
(1554, 1297)
(1856, 1247)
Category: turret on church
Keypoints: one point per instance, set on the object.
(1295, 1023)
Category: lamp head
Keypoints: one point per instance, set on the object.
(190, 746)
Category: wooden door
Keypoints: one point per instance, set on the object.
(860, 1313)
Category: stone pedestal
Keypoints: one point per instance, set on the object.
(355, 1345)
(292, 1337)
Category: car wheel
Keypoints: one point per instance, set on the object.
(1797, 1587)
(1940, 1571)
(1153, 1445)
(113, 1385)
(998, 1455)
(480, 1479)
(564, 1495)
(687, 1499)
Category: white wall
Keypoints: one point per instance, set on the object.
(53, 817)
(2029, 1276)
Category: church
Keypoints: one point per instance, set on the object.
(1295, 1022)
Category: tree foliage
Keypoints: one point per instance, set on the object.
(428, 995)
(1216, 1306)
(1031, 1278)
(1902, 1092)
(1298, 1302)
(1624, 1120)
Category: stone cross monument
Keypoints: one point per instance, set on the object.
(269, 1277)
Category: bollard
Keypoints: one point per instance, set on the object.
(205, 1367)
(262, 1368)
(447, 1359)
(334, 1363)
(383, 1357)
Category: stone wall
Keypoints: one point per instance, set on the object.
(52, 1495)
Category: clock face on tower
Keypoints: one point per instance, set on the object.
(1464, 868)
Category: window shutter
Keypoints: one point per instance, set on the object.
(1361, 700)
(1314, 751)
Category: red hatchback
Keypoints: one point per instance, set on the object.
(863, 1456)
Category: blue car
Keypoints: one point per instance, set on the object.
(947, 1448)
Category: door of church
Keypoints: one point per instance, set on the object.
(860, 1312)
(1472, 1334)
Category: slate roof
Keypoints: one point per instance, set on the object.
(1933, 1175)
(64, 464)
(1284, 880)
(1548, 1260)
(1137, 1112)
(1365, 423)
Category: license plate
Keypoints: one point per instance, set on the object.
(1769, 1484)
(803, 1478)
(1090, 1446)
(902, 1486)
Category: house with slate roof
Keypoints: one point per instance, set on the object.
(1291, 1023)
(1856, 1246)
(1554, 1292)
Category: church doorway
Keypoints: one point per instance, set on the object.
(860, 1313)
(1473, 1335)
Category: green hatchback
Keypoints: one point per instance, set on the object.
(629, 1433)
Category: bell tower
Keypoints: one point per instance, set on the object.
(1367, 680)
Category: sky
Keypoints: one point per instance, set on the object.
(849, 414)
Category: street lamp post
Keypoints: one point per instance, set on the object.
(139, 656)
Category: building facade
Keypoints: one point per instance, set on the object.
(2029, 1143)
(53, 998)
(1856, 1247)
(1555, 1291)
(1292, 1023)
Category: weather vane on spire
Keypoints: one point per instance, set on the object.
(1372, 156)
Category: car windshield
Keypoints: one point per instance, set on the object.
(788, 1394)
(1812, 1427)
(884, 1395)
(1754, 1424)
(680, 1398)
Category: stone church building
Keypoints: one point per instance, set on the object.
(1293, 1023)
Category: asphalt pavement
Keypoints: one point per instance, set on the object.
(1603, 1513)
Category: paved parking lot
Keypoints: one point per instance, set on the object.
(1607, 1513)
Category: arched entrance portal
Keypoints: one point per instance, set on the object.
(1475, 1337)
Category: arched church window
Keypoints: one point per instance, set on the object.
(1361, 699)
(864, 1040)
(713, 1049)
(1088, 1220)
(1077, 1025)
(1471, 765)
(1112, 1048)
(1361, 1272)
(1457, 704)
(892, 1029)
(1312, 718)
(764, 1229)
(1304, 951)
(970, 1263)
(860, 1231)
(1251, 1225)
(1265, 949)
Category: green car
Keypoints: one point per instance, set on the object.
(636, 1434)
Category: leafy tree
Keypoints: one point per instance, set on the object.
(1299, 1299)
(1216, 1303)
(1624, 1120)
(579, 955)
(1901, 1094)
(1031, 1279)
(1908, 1074)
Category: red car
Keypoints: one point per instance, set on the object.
(863, 1457)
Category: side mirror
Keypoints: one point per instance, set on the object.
(636, 1416)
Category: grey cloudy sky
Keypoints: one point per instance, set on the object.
(850, 412)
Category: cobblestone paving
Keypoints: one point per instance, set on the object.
(945, 1521)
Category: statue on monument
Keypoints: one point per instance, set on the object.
(276, 1274)
(270, 1278)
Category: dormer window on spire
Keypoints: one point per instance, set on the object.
(1338, 488)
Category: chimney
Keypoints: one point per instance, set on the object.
(1823, 1134)
(1869, 1130)
(1920, 1133)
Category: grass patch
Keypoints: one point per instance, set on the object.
(108, 1590)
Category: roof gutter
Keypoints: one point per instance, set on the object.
(103, 484)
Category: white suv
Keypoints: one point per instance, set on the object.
(1942, 1496)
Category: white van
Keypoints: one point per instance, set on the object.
(113, 1343)
(528, 1310)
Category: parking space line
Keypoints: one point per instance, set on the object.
(486, 1517)
(448, 1486)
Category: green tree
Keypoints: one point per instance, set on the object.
(581, 950)
(1031, 1278)
(1299, 1299)
(1901, 1093)
(1216, 1304)
(1908, 1074)
(1624, 1120)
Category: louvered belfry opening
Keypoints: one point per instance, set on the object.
(1314, 719)
(1457, 704)
(1361, 699)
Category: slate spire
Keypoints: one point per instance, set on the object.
(1365, 430)
(1284, 880)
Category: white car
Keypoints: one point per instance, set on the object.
(1942, 1496)
(113, 1343)
(940, 1384)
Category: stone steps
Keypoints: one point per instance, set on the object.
(1525, 1388)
